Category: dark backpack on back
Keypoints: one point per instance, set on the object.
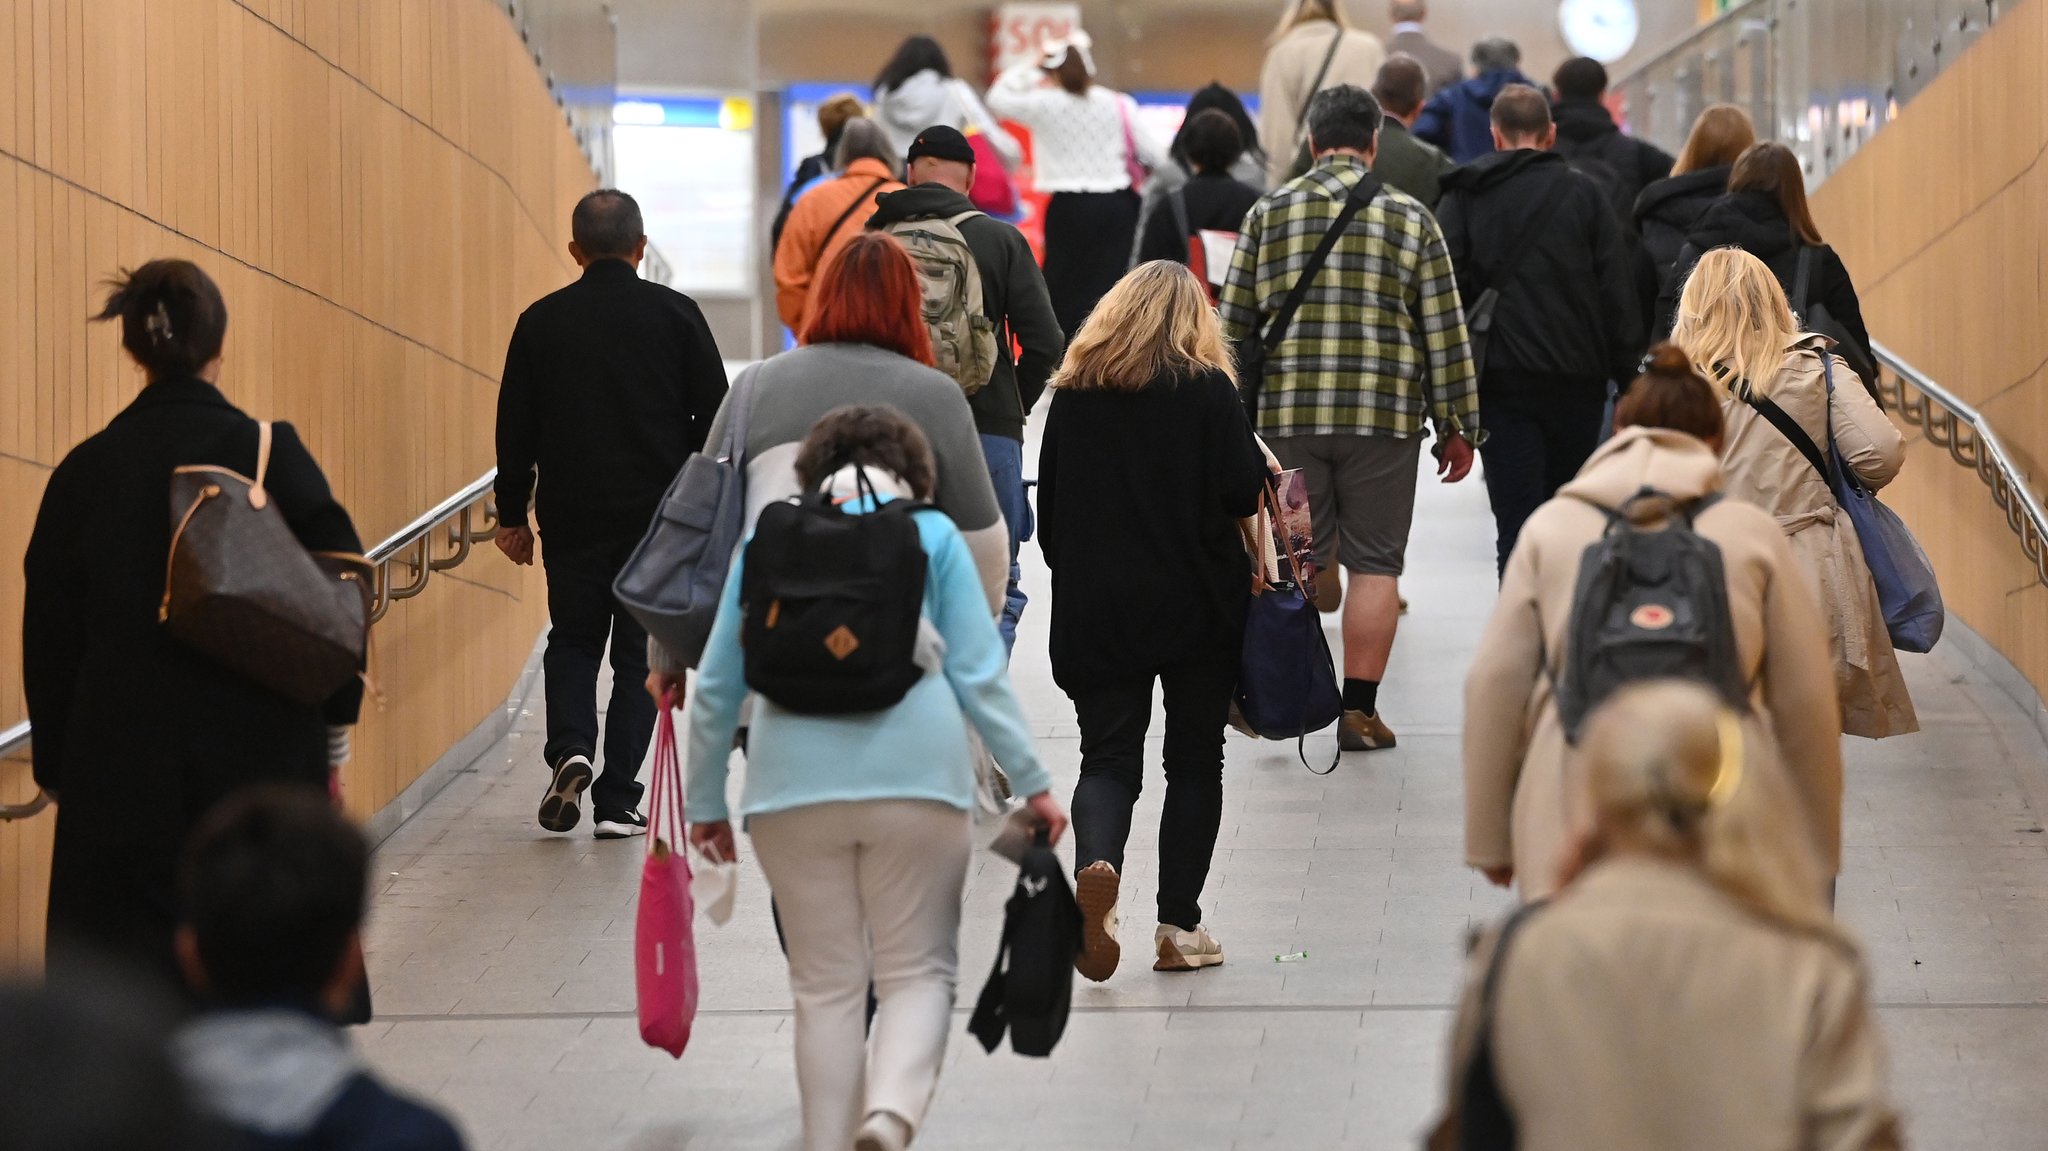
(1651, 603)
(1032, 986)
(830, 603)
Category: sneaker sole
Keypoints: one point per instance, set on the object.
(606, 829)
(559, 811)
(1096, 891)
(1172, 958)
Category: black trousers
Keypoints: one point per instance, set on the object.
(584, 615)
(1087, 247)
(1113, 722)
(1536, 442)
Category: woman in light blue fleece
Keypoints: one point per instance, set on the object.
(862, 821)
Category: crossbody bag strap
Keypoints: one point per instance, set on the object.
(1504, 273)
(734, 447)
(1276, 329)
(844, 217)
(1790, 429)
(258, 494)
(1315, 86)
(1178, 201)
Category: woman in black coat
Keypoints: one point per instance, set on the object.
(1147, 465)
(1667, 209)
(135, 736)
(1765, 214)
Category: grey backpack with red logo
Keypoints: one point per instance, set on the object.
(1651, 603)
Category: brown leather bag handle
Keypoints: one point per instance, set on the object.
(257, 496)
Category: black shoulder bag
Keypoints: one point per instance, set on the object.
(1479, 316)
(1817, 319)
(1479, 1118)
(1254, 350)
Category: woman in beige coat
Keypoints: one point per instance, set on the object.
(1733, 315)
(1519, 813)
(1687, 990)
(1311, 32)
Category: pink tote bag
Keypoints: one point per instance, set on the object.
(664, 945)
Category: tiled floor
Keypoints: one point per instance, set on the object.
(503, 972)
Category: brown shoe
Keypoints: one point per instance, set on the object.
(1096, 891)
(1358, 731)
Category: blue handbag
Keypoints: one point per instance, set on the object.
(1287, 681)
(1907, 592)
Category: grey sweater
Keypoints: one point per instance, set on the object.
(792, 391)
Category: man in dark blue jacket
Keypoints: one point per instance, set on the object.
(274, 882)
(1457, 119)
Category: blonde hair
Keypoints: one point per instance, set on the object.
(1156, 321)
(1667, 774)
(1734, 321)
(1301, 12)
(1720, 135)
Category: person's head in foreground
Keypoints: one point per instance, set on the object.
(873, 437)
(1733, 319)
(1667, 776)
(1671, 394)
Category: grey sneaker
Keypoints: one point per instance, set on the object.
(1185, 950)
(558, 809)
(1358, 731)
(1096, 891)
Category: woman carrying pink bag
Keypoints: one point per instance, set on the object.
(860, 813)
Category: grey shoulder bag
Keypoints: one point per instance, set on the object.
(672, 583)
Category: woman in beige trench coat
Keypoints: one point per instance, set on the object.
(1733, 315)
(1519, 813)
(1687, 990)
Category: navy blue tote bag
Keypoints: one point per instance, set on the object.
(1906, 587)
(1287, 682)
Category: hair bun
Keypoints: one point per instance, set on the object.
(1668, 359)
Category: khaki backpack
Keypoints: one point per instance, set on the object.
(963, 339)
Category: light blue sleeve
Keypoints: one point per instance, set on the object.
(977, 666)
(720, 689)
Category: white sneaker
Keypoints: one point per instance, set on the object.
(1096, 891)
(1185, 950)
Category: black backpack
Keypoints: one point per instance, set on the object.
(830, 603)
(1041, 938)
(1651, 603)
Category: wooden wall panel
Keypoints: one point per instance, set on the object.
(379, 188)
(1940, 220)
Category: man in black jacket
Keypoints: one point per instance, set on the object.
(610, 383)
(1588, 137)
(940, 170)
(1567, 320)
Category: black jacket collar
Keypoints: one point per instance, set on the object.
(1583, 120)
(1708, 182)
(924, 202)
(177, 390)
(609, 269)
(1497, 168)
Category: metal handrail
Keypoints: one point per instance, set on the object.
(1953, 424)
(412, 547)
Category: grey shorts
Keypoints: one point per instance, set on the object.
(1361, 496)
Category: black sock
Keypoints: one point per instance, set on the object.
(1362, 695)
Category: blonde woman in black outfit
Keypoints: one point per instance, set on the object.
(135, 735)
(1147, 465)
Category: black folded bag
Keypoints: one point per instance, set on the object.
(1032, 985)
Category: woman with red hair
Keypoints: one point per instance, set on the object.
(866, 343)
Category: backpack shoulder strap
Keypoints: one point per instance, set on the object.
(1276, 329)
(963, 217)
(1802, 281)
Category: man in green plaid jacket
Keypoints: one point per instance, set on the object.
(1378, 348)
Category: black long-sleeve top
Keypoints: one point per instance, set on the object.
(609, 385)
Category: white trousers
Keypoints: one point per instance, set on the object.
(868, 890)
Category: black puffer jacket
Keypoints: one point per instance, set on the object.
(1754, 222)
(1572, 309)
(1667, 210)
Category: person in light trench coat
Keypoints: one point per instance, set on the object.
(1762, 467)
(1687, 989)
(1518, 768)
